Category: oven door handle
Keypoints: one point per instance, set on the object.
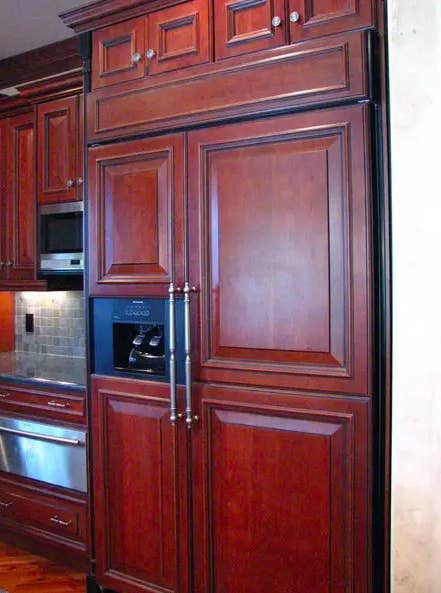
(42, 437)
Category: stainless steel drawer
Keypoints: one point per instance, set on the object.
(52, 454)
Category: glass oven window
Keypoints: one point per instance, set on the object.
(62, 233)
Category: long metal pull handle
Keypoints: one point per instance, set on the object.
(189, 418)
(42, 437)
(60, 522)
(172, 304)
(55, 404)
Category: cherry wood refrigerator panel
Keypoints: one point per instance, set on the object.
(57, 142)
(316, 18)
(118, 53)
(281, 492)
(244, 26)
(140, 488)
(279, 250)
(136, 209)
(178, 37)
(21, 203)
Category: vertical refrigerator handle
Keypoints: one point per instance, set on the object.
(172, 341)
(189, 418)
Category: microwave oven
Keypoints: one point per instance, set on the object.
(61, 238)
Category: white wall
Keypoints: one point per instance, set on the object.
(415, 78)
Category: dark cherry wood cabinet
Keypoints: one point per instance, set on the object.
(140, 488)
(315, 18)
(58, 144)
(264, 205)
(3, 190)
(136, 216)
(168, 39)
(243, 27)
(280, 498)
(18, 208)
(279, 235)
(118, 53)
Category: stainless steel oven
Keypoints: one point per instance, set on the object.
(40, 451)
(61, 237)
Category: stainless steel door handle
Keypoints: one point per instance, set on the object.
(42, 437)
(172, 337)
(189, 418)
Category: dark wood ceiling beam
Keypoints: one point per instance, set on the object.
(39, 63)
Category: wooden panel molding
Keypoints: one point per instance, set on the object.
(244, 26)
(61, 56)
(283, 485)
(179, 37)
(321, 71)
(290, 195)
(136, 215)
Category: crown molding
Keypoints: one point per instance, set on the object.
(38, 63)
(101, 13)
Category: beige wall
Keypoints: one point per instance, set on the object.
(415, 78)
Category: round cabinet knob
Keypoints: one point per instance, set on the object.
(150, 54)
(70, 183)
(80, 181)
(136, 57)
(294, 17)
(276, 22)
(9, 264)
(2, 264)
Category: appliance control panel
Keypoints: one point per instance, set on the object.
(138, 310)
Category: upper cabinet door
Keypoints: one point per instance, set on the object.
(177, 37)
(136, 209)
(21, 203)
(118, 53)
(243, 26)
(315, 18)
(279, 219)
(58, 132)
(3, 227)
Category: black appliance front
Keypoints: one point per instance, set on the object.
(131, 338)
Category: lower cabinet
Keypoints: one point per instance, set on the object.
(48, 518)
(276, 495)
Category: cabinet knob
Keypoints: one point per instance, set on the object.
(70, 183)
(150, 54)
(294, 17)
(136, 57)
(9, 264)
(80, 181)
(4, 395)
(276, 22)
(2, 264)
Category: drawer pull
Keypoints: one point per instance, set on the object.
(5, 505)
(54, 404)
(60, 522)
(4, 395)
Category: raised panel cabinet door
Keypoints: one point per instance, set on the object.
(3, 205)
(21, 198)
(118, 53)
(279, 238)
(315, 18)
(281, 493)
(136, 209)
(57, 142)
(244, 26)
(140, 482)
(177, 37)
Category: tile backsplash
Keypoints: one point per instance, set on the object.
(59, 323)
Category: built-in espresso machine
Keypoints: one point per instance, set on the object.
(131, 338)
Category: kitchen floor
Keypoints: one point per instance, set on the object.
(21, 572)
